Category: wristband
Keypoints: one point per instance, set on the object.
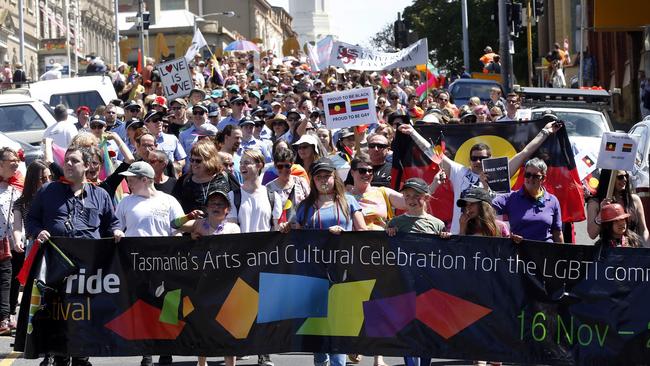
(545, 132)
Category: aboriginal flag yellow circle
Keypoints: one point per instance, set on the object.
(337, 107)
(499, 146)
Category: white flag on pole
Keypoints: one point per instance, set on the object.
(198, 42)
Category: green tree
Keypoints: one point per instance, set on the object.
(385, 39)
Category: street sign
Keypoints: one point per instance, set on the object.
(132, 19)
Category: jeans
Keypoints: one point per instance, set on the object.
(5, 288)
(335, 359)
(417, 361)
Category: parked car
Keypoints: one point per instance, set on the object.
(24, 118)
(640, 177)
(91, 91)
(30, 152)
(463, 89)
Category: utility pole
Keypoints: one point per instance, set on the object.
(504, 48)
(21, 20)
(529, 36)
(66, 19)
(117, 34)
(141, 24)
(463, 9)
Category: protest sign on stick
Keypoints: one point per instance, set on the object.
(176, 78)
(349, 108)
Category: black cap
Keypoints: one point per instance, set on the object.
(217, 192)
(473, 194)
(131, 105)
(134, 123)
(321, 164)
(246, 121)
(403, 116)
(418, 184)
(151, 114)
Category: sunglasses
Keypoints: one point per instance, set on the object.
(96, 127)
(283, 166)
(199, 112)
(621, 177)
(394, 98)
(239, 103)
(196, 161)
(176, 108)
(478, 158)
(443, 99)
(217, 205)
(303, 146)
(377, 146)
(528, 175)
(364, 170)
(223, 106)
(273, 91)
(229, 165)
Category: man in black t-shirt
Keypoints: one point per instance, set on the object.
(378, 148)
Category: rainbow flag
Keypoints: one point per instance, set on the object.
(359, 104)
(432, 82)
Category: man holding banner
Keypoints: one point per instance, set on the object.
(462, 178)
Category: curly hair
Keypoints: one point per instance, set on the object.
(207, 150)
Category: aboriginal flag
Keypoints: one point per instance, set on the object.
(610, 146)
(336, 108)
(504, 139)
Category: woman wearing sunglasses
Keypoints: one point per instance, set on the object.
(287, 186)
(327, 207)
(377, 203)
(206, 174)
(622, 195)
(534, 214)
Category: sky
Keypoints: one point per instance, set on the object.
(356, 21)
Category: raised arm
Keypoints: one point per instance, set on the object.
(521, 157)
(425, 146)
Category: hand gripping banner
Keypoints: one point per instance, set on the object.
(472, 298)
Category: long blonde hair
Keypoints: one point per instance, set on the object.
(339, 197)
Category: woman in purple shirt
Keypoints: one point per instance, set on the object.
(534, 214)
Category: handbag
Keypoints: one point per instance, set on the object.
(5, 249)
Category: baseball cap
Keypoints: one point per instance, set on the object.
(233, 88)
(236, 98)
(246, 121)
(200, 106)
(139, 169)
(294, 111)
(418, 184)
(151, 114)
(206, 129)
(213, 110)
(217, 192)
(180, 101)
(254, 93)
(216, 93)
(321, 164)
(97, 119)
(131, 105)
(473, 194)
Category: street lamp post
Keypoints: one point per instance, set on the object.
(117, 34)
(201, 18)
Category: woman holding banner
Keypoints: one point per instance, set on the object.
(622, 194)
(327, 207)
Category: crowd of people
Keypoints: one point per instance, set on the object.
(250, 152)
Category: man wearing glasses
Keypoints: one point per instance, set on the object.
(464, 178)
(178, 118)
(237, 104)
(512, 106)
(164, 141)
(378, 148)
(187, 137)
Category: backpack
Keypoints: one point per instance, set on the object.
(269, 194)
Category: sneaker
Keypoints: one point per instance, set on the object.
(12, 321)
(146, 361)
(48, 360)
(264, 360)
(5, 329)
(164, 360)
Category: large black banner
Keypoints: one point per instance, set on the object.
(363, 293)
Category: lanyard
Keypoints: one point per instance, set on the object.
(320, 223)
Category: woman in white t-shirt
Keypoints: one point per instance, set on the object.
(251, 208)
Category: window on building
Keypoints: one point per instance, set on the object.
(172, 5)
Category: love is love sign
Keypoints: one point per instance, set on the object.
(176, 78)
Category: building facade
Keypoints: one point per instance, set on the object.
(255, 20)
(311, 20)
(92, 33)
(10, 35)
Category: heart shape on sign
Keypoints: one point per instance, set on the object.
(169, 68)
(174, 88)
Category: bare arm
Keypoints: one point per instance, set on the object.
(558, 237)
(358, 223)
(19, 246)
(425, 146)
(126, 153)
(593, 229)
(640, 214)
(302, 127)
(48, 156)
(521, 157)
(396, 199)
